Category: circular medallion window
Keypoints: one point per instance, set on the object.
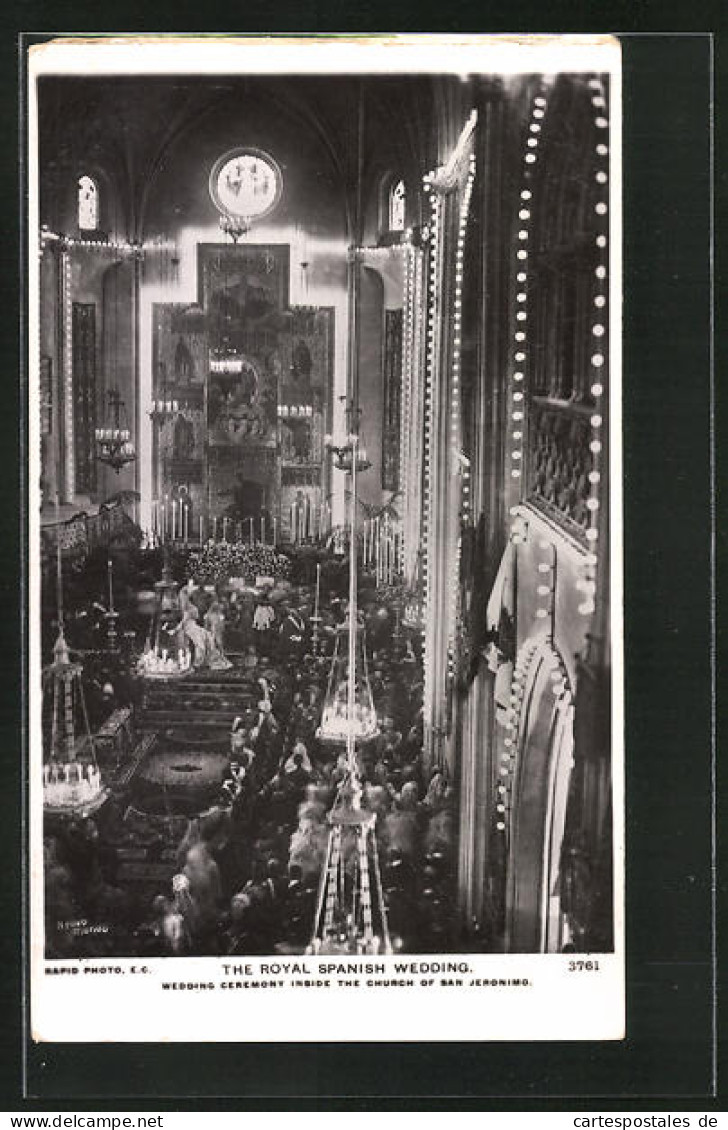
(245, 182)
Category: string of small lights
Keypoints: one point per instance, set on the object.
(68, 429)
(520, 334)
(71, 243)
(405, 461)
(529, 658)
(456, 409)
(433, 305)
(587, 583)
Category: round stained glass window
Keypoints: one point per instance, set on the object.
(245, 182)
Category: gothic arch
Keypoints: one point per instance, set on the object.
(544, 739)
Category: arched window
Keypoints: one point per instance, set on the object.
(184, 370)
(88, 204)
(397, 199)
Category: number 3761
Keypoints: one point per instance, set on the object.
(583, 966)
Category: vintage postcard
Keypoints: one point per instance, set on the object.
(325, 640)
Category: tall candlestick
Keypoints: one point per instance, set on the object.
(111, 585)
(200, 529)
(275, 531)
(262, 529)
(318, 586)
(224, 529)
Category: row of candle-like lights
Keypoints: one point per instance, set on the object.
(519, 528)
(409, 479)
(68, 372)
(161, 662)
(164, 407)
(598, 332)
(47, 236)
(117, 436)
(382, 549)
(69, 783)
(517, 397)
(547, 565)
(172, 521)
(455, 406)
(296, 411)
(561, 688)
(430, 367)
(308, 521)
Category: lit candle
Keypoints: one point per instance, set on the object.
(224, 529)
(200, 529)
(250, 531)
(262, 529)
(275, 531)
(214, 528)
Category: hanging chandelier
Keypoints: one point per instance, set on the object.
(72, 784)
(337, 721)
(343, 453)
(113, 444)
(163, 657)
(225, 359)
(234, 226)
(351, 913)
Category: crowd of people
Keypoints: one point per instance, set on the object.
(242, 877)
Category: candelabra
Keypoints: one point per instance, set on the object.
(343, 453)
(234, 226)
(162, 410)
(113, 444)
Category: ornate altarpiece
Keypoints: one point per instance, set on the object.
(252, 381)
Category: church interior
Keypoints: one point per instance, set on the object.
(323, 412)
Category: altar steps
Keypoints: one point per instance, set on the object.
(208, 702)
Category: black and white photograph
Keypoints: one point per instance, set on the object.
(325, 538)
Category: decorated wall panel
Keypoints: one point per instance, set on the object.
(392, 407)
(84, 394)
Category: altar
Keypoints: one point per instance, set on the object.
(241, 391)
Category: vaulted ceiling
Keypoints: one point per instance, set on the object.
(128, 128)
